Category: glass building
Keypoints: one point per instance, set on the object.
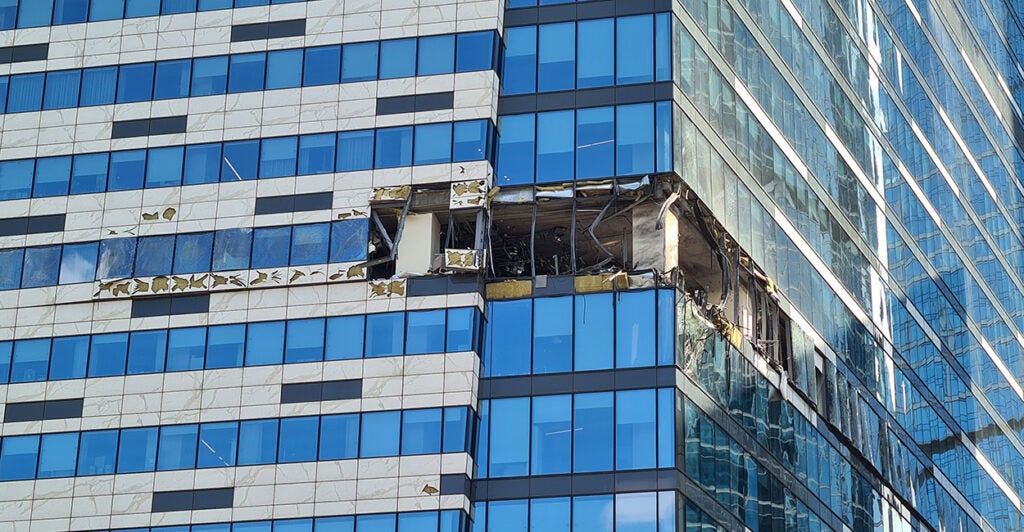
(511, 265)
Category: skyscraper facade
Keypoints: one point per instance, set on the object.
(511, 265)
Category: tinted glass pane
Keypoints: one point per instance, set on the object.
(359, 62)
(62, 89)
(185, 349)
(172, 79)
(508, 345)
(596, 67)
(177, 447)
(425, 332)
(552, 335)
(421, 431)
(231, 249)
(146, 352)
(284, 69)
(436, 55)
(595, 332)
(634, 52)
(116, 258)
(344, 337)
(270, 246)
(510, 437)
(398, 58)
(68, 357)
(348, 240)
(70, 11)
(475, 51)
(277, 157)
(240, 160)
(202, 164)
(247, 72)
(78, 263)
(456, 430)
(384, 334)
(298, 439)
(18, 457)
(99, 85)
(507, 516)
(178, 6)
(264, 343)
(551, 432)
(137, 451)
(126, 170)
(355, 150)
(305, 341)
(96, 452)
(417, 522)
(164, 167)
(316, 154)
(109, 10)
(107, 354)
(375, 523)
(322, 66)
(379, 434)
(225, 346)
(433, 144)
(16, 179)
(30, 360)
(89, 173)
(593, 426)
(135, 82)
(53, 177)
(556, 57)
(462, 329)
(8, 14)
(592, 514)
(549, 514)
(394, 147)
(192, 252)
(209, 76)
(41, 266)
(339, 437)
(35, 14)
(595, 142)
(10, 268)
(634, 135)
(257, 442)
(141, 8)
(520, 72)
(555, 142)
(634, 329)
(515, 149)
(218, 443)
(5, 360)
(470, 142)
(635, 430)
(154, 255)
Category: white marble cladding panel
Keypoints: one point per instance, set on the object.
(70, 309)
(341, 487)
(209, 33)
(252, 392)
(346, 106)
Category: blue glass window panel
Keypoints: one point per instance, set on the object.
(164, 167)
(99, 85)
(519, 75)
(316, 154)
(278, 156)
(322, 66)
(3, 93)
(516, 149)
(549, 514)
(344, 337)
(593, 432)
(595, 142)
(70, 11)
(666, 427)
(417, 522)
(141, 8)
(384, 334)
(355, 150)
(483, 438)
(452, 521)
(41, 266)
(379, 434)
(359, 62)
(663, 119)
(284, 69)
(474, 51)
(298, 439)
(137, 451)
(57, 455)
(202, 164)
(339, 437)
(375, 523)
(270, 246)
(595, 50)
(552, 334)
(248, 3)
(106, 10)
(18, 457)
(231, 249)
(635, 430)
(334, 524)
(595, 332)
(510, 437)
(16, 179)
(634, 50)
(555, 146)
(436, 55)
(592, 513)
(394, 147)
(634, 136)
(96, 452)
(68, 357)
(89, 173)
(135, 82)
(5, 359)
(349, 240)
(8, 14)
(462, 329)
(433, 144)
(252, 526)
(421, 431)
(192, 252)
(293, 525)
(177, 447)
(634, 329)
(637, 512)
(178, 6)
(172, 79)
(78, 263)
(398, 58)
(62, 89)
(218, 443)
(240, 160)
(425, 332)
(551, 435)
(53, 177)
(127, 169)
(508, 347)
(116, 258)
(212, 5)
(470, 141)
(35, 13)
(154, 255)
(209, 75)
(456, 430)
(663, 47)
(305, 341)
(10, 268)
(507, 516)
(666, 327)
(31, 358)
(247, 72)
(107, 354)
(147, 351)
(556, 57)
(217, 527)
(257, 442)
(264, 343)
(186, 349)
(225, 346)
